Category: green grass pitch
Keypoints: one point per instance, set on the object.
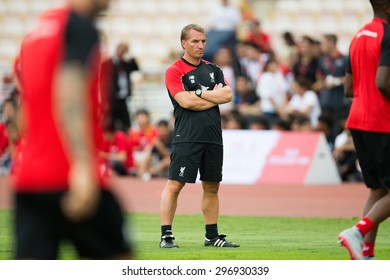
(261, 238)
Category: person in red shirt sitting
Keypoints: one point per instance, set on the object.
(142, 138)
(157, 159)
(115, 150)
(257, 36)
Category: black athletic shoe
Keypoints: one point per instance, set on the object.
(167, 241)
(220, 241)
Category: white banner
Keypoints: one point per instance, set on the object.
(273, 157)
(245, 154)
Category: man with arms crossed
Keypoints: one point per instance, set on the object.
(60, 190)
(195, 87)
(368, 82)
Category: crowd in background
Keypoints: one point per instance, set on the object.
(297, 88)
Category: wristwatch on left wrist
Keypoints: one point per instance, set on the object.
(198, 93)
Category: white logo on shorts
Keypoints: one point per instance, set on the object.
(181, 174)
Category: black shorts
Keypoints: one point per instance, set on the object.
(373, 152)
(188, 158)
(41, 226)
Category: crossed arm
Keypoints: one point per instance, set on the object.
(383, 80)
(348, 85)
(210, 98)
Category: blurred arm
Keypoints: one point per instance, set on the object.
(348, 85)
(383, 80)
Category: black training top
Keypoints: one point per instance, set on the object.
(194, 126)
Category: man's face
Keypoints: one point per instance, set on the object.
(326, 46)
(195, 44)
(122, 50)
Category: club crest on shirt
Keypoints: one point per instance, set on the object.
(212, 77)
(192, 79)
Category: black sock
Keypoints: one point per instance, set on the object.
(211, 231)
(166, 229)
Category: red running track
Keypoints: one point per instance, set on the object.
(330, 201)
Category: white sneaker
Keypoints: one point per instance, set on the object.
(352, 240)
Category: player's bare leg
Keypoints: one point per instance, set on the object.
(168, 207)
(375, 195)
(210, 202)
(168, 203)
(210, 209)
(380, 211)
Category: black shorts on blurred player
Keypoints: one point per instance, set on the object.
(41, 226)
(373, 152)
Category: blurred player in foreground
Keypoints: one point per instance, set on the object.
(195, 87)
(60, 189)
(368, 82)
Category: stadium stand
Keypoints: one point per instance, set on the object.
(152, 27)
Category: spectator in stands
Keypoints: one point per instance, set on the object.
(234, 120)
(272, 89)
(330, 79)
(224, 59)
(116, 73)
(301, 123)
(9, 112)
(7, 88)
(226, 17)
(255, 63)
(344, 153)
(258, 123)
(317, 49)
(157, 159)
(280, 124)
(246, 100)
(224, 21)
(114, 150)
(241, 56)
(288, 54)
(9, 133)
(304, 101)
(306, 63)
(16, 79)
(257, 36)
(326, 126)
(142, 136)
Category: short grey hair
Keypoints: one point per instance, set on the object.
(192, 26)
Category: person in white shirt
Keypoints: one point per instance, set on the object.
(225, 18)
(272, 89)
(304, 101)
